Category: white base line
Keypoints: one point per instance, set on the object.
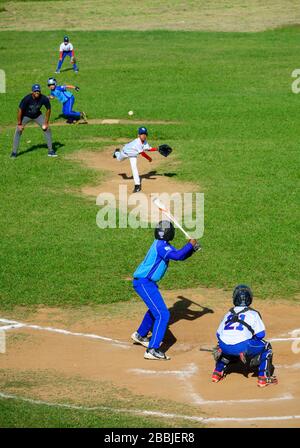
(283, 339)
(188, 372)
(15, 324)
(141, 412)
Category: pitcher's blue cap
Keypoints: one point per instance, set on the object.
(66, 38)
(142, 131)
(36, 88)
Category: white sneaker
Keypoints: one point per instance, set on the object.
(154, 353)
(139, 339)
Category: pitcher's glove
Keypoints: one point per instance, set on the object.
(164, 150)
(73, 60)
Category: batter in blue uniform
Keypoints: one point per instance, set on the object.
(67, 99)
(146, 276)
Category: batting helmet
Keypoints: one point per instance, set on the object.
(52, 82)
(164, 231)
(142, 130)
(66, 39)
(242, 295)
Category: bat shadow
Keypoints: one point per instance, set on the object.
(55, 146)
(181, 311)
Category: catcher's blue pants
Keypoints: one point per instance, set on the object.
(60, 62)
(68, 109)
(157, 317)
(251, 348)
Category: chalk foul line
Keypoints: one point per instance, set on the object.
(14, 324)
(141, 412)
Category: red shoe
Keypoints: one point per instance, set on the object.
(217, 376)
(264, 381)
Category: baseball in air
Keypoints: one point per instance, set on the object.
(130, 112)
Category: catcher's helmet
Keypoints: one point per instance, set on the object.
(52, 82)
(142, 130)
(66, 39)
(164, 231)
(242, 295)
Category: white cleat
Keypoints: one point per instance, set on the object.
(154, 353)
(139, 339)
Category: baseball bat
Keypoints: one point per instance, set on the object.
(163, 208)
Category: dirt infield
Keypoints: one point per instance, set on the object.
(196, 15)
(117, 365)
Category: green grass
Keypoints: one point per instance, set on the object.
(19, 414)
(239, 143)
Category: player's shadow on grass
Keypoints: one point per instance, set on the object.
(181, 311)
(55, 146)
(66, 69)
(152, 175)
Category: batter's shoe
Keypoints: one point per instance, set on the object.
(52, 154)
(154, 353)
(83, 116)
(217, 376)
(264, 381)
(138, 339)
(13, 155)
(137, 188)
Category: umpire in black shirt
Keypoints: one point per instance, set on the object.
(30, 110)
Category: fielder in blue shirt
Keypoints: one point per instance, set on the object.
(150, 271)
(67, 99)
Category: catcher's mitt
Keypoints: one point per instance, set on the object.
(164, 150)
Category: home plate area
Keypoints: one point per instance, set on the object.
(100, 350)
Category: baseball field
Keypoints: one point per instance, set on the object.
(215, 82)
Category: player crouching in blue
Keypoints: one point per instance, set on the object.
(240, 336)
(146, 276)
(67, 99)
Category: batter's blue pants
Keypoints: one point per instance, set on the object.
(60, 62)
(251, 348)
(68, 109)
(157, 317)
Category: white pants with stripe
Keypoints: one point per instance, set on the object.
(120, 155)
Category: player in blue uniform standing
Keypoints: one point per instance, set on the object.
(240, 335)
(146, 276)
(67, 99)
(66, 49)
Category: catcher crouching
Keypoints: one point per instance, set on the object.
(241, 338)
(139, 146)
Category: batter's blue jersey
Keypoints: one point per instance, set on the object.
(156, 262)
(61, 93)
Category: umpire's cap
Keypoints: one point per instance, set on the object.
(142, 130)
(36, 88)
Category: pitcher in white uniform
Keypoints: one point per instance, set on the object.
(131, 151)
